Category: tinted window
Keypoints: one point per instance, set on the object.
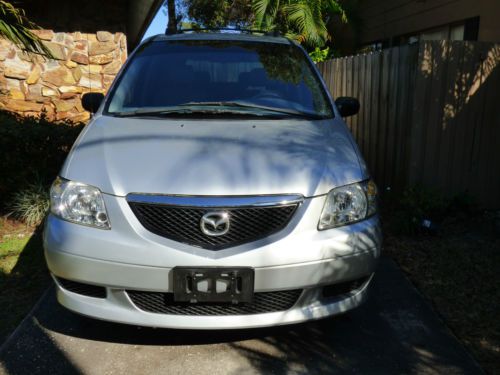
(165, 74)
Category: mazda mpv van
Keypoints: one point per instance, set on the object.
(216, 186)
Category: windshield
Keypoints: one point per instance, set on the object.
(232, 76)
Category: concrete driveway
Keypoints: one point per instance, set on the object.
(395, 332)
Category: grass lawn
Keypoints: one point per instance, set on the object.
(23, 274)
(457, 269)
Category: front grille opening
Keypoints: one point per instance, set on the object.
(182, 224)
(83, 289)
(263, 302)
(340, 289)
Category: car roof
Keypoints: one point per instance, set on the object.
(246, 37)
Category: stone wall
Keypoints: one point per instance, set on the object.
(31, 84)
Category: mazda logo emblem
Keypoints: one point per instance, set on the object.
(215, 223)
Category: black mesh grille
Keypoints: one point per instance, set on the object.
(183, 223)
(264, 302)
(84, 289)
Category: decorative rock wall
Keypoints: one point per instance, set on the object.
(31, 84)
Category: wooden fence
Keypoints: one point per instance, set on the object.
(430, 115)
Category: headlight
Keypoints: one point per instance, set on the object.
(78, 203)
(348, 204)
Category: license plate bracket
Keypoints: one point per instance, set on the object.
(213, 284)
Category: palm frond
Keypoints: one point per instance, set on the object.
(265, 13)
(333, 7)
(16, 27)
(308, 22)
(301, 20)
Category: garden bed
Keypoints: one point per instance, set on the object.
(32, 153)
(457, 269)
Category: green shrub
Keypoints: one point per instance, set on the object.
(32, 151)
(415, 205)
(31, 204)
(406, 213)
(320, 55)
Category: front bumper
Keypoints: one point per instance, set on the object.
(128, 257)
(117, 307)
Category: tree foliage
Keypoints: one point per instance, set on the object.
(17, 28)
(302, 20)
(220, 13)
(307, 21)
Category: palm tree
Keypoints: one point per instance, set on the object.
(172, 17)
(302, 20)
(16, 27)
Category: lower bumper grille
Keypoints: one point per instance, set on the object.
(263, 302)
(341, 289)
(83, 289)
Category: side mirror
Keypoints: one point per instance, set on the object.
(91, 101)
(347, 106)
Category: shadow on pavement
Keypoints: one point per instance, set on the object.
(74, 325)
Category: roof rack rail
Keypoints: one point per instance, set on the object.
(246, 31)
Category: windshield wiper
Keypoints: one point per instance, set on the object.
(246, 105)
(211, 108)
(152, 112)
(182, 110)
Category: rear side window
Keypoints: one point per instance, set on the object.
(172, 73)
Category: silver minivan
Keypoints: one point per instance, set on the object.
(216, 187)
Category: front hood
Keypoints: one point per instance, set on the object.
(214, 157)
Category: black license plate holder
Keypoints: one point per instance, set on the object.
(213, 284)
